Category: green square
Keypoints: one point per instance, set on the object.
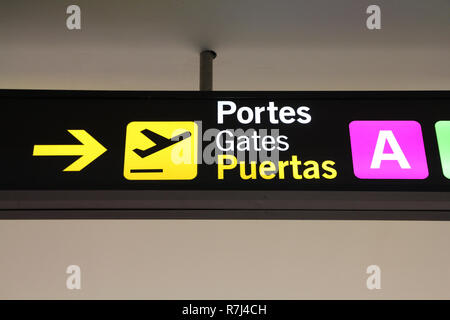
(443, 138)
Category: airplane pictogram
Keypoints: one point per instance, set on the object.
(159, 141)
(161, 150)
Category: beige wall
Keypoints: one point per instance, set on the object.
(154, 45)
(224, 259)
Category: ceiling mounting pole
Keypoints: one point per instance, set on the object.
(206, 70)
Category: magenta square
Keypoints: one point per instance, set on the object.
(388, 150)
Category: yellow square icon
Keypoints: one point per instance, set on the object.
(161, 150)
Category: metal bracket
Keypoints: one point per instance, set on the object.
(206, 70)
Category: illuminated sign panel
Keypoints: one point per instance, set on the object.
(312, 141)
(443, 137)
(161, 150)
(388, 150)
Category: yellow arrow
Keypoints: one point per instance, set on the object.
(89, 150)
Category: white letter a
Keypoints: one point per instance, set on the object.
(73, 22)
(397, 153)
(374, 280)
(374, 20)
(74, 280)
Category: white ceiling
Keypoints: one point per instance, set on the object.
(261, 45)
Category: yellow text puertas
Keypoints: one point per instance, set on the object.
(161, 150)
